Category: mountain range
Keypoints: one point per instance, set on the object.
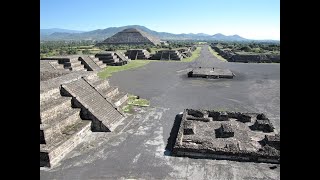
(57, 34)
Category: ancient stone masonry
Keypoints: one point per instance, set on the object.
(167, 55)
(225, 135)
(131, 36)
(112, 58)
(72, 105)
(185, 52)
(137, 54)
(71, 63)
(91, 63)
(246, 57)
(212, 73)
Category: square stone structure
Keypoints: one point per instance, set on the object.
(211, 72)
(240, 144)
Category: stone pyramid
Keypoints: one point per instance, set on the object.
(132, 36)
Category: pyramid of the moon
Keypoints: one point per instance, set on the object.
(132, 36)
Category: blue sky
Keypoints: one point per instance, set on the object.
(253, 19)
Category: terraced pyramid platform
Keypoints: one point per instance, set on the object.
(71, 107)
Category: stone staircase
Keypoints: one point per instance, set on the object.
(71, 63)
(137, 54)
(61, 128)
(111, 93)
(91, 63)
(122, 56)
(167, 55)
(104, 115)
(110, 58)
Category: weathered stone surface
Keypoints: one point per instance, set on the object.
(225, 131)
(263, 125)
(167, 55)
(188, 128)
(204, 143)
(213, 73)
(137, 54)
(132, 36)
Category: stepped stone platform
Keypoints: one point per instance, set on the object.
(71, 107)
(137, 54)
(167, 55)
(71, 63)
(111, 58)
(225, 135)
(105, 117)
(90, 63)
(212, 73)
(131, 36)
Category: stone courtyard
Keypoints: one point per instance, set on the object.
(136, 147)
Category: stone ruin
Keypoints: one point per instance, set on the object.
(137, 54)
(74, 104)
(212, 73)
(225, 135)
(71, 63)
(167, 55)
(131, 36)
(246, 57)
(113, 58)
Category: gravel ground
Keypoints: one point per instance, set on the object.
(136, 150)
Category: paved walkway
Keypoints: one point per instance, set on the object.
(137, 149)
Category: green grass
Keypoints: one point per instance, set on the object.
(195, 55)
(215, 53)
(133, 101)
(107, 72)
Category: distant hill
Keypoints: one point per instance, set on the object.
(57, 30)
(101, 34)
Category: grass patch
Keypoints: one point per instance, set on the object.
(215, 53)
(195, 55)
(134, 101)
(107, 72)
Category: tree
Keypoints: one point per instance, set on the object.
(149, 50)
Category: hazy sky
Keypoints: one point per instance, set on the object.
(253, 19)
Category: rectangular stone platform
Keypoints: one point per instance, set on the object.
(213, 73)
(202, 139)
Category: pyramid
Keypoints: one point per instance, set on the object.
(131, 36)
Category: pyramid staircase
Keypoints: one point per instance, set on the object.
(71, 107)
(110, 58)
(71, 63)
(91, 63)
(167, 55)
(61, 128)
(137, 54)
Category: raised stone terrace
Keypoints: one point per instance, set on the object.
(72, 105)
(112, 58)
(167, 55)
(226, 135)
(137, 54)
(211, 72)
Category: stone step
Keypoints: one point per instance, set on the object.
(99, 62)
(78, 68)
(88, 63)
(93, 105)
(56, 125)
(109, 92)
(103, 65)
(120, 98)
(53, 93)
(52, 108)
(74, 64)
(52, 152)
(100, 84)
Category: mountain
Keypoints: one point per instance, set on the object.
(101, 34)
(57, 30)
